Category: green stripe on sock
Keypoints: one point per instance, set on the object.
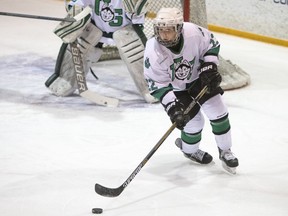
(220, 127)
(191, 138)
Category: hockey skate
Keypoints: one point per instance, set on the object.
(199, 156)
(229, 161)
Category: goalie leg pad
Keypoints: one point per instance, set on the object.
(89, 39)
(131, 50)
(87, 42)
(63, 81)
(61, 87)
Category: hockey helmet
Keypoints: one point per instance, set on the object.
(169, 19)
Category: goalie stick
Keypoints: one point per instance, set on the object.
(81, 81)
(114, 192)
(68, 19)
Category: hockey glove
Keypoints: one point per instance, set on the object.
(209, 76)
(175, 110)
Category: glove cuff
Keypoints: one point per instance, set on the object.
(171, 105)
(207, 66)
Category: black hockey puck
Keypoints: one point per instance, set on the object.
(97, 210)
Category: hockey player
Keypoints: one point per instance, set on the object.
(179, 61)
(110, 22)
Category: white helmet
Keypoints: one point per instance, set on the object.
(168, 17)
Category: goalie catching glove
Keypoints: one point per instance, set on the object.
(175, 110)
(137, 7)
(209, 76)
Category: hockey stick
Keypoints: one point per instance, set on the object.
(81, 81)
(38, 17)
(114, 192)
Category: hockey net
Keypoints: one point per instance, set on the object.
(194, 11)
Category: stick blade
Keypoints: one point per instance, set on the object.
(108, 192)
(100, 99)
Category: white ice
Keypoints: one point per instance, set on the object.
(53, 150)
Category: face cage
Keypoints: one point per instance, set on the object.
(168, 43)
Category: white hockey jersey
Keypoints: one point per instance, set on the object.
(109, 15)
(166, 71)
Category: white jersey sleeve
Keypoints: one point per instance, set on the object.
(167, 71)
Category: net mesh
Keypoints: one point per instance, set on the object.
(156, 5)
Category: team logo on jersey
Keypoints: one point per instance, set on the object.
(107, 13)
(182, 69)
(147, 63)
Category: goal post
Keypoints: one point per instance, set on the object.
(193, 11)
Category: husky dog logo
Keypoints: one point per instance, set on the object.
(107, 13)
(183, 70)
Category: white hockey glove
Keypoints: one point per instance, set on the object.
(137, 7)
(70, 31)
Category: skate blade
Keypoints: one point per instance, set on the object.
(231, 170)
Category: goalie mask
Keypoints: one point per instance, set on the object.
(167, 26)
